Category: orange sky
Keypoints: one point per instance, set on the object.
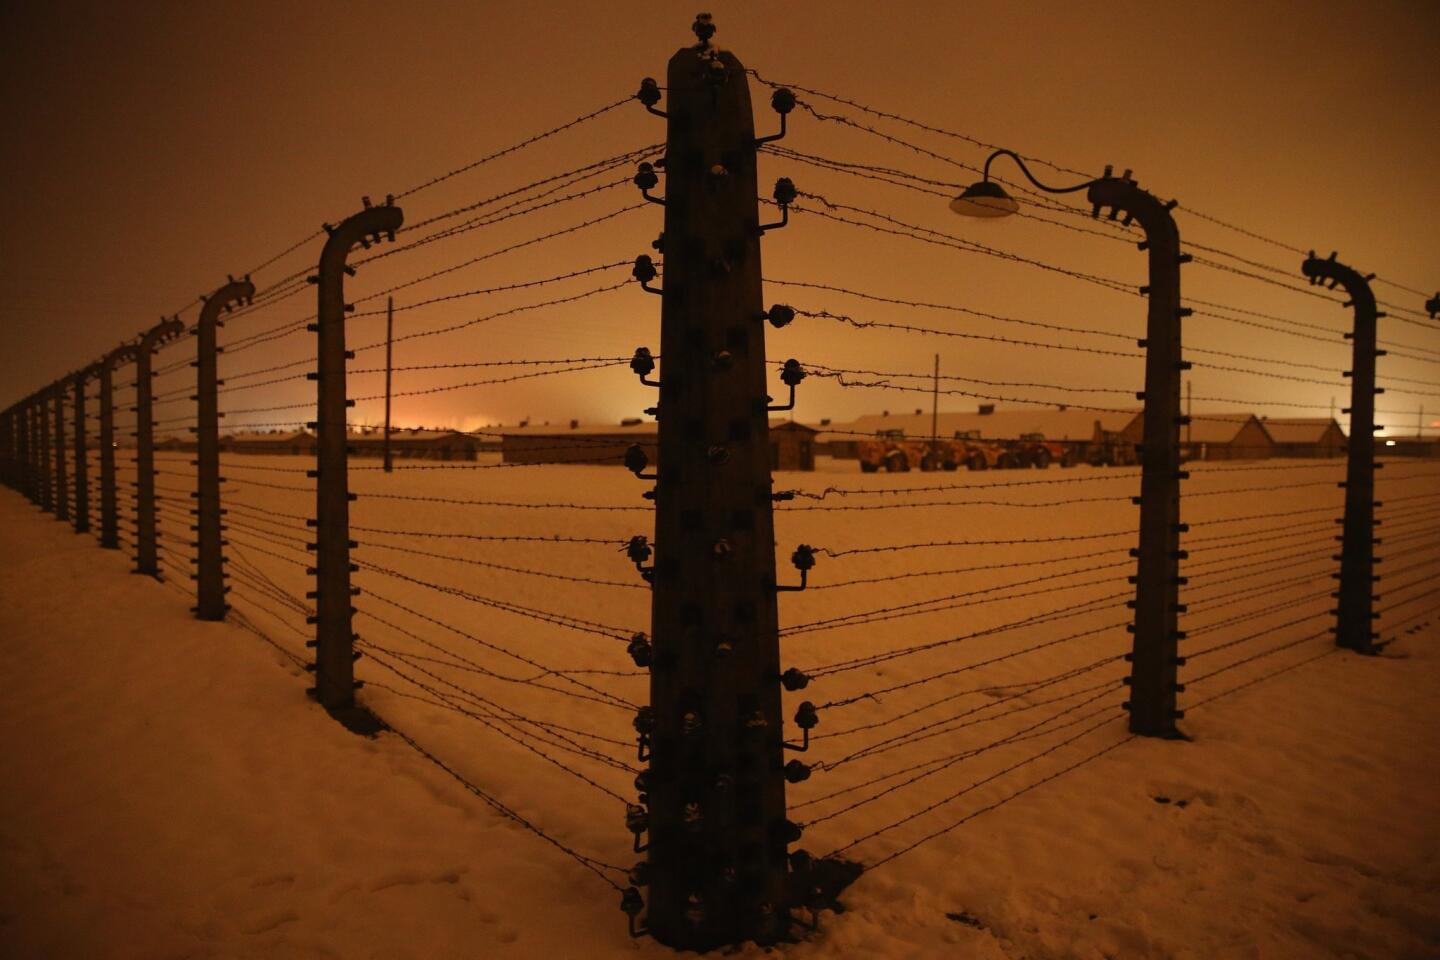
(149, 155)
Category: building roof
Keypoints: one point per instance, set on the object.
(408, 435)
(1298, 429)
(277, 436)
(643, 428)
(1054, 424)
(1207, 427)
(1216, 427)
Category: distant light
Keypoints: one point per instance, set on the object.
(1389, 443)
(985, 199)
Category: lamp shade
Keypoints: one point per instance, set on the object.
(984, 198)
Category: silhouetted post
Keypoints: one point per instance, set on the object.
(334, 637)
(62, 482)
(147, 552)
(25, 435)
(109, 508)
(15, 439)
(7, 448)
(20, 424)
(716, 784)
(1355, 615)
(40, 471)
(82, 466)
(209, 545)
(12, 447)
(7, 461)
(22, 448)
(1154, 656)
(935, 458)
(389, 343)
(44, 461)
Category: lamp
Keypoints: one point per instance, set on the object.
(986, 199)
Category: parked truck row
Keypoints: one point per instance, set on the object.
(896, 453)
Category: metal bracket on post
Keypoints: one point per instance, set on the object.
(718, 870)
(1355, 623)
(109, 506)
(209, 560)
(1155, 654)
(334, 636)
(147, 552)
(82, 457)
(62, 482)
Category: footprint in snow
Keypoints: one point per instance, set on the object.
(963, 917)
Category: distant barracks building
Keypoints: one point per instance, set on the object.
(792, 445)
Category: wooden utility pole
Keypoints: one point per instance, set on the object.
(334, 637)
(389, 343)
(1154, 655)
(1355, 613)
(935, 457)
(209, 541)
(716, 783)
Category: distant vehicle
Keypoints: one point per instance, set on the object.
(891, 450)
(894, 452)
(1112, 451)
(1033, 450)
(977, 454)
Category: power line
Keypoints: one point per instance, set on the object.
(520, 145)
(975, 786)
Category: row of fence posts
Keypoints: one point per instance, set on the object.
(712, 802)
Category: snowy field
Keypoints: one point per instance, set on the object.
(172, 793)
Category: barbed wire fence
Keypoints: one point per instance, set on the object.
(1014, 628)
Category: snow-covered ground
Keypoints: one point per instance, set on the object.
(171, 792)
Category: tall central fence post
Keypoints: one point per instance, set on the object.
(62, 482)
(716, 785)
(1355, 614)
(334, 637)
(209, 559)
(1154, 656)
(147, 552)
(109, 508)
(82, 466)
